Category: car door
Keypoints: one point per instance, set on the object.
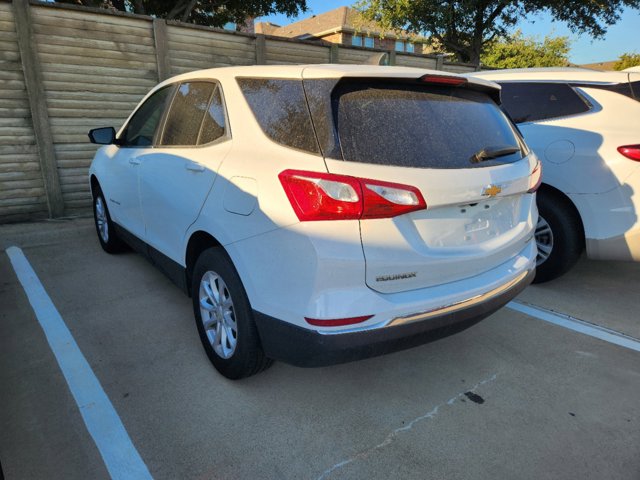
(176, 176)
(136, 139)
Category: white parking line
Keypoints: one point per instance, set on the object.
(576, 325)
(103, 423)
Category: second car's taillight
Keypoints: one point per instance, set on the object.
(630, 151)
(327, 196)
(535, 180)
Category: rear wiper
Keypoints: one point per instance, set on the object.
(495, 151)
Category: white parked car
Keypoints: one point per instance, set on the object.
(320, 214)
(584, 125)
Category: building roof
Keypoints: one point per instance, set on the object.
(341, 19)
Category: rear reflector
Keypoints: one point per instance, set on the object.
(536, 178)
(337, 322)
(443, 80)
(631, 151)
(326, 196)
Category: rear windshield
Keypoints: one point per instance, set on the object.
(385, 122)
(413, 125)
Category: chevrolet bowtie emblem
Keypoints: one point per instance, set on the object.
(491, 190)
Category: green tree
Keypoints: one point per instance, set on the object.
(464, 27)
(627, 60)
(213, 13)
(518, 51)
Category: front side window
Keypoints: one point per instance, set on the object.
(356, 40)
(368, 42)
(528, 101)
(142, 126)
(410, 48)
(399, 46)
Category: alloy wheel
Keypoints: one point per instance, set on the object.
(217, 314)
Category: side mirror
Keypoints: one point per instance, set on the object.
(103, 136)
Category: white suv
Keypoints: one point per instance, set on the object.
(585, 127)
(320, 214)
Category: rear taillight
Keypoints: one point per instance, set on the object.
(337, 322)
(631, 151)
(535, 180)
(326, 196)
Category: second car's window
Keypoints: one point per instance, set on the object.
(186, 113)
(528, 102)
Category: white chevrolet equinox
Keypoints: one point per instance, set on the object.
(320, 214)
(585, 127)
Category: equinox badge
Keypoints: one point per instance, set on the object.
(398, 276)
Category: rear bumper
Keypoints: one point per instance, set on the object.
(308, 348)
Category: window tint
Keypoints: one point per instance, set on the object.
(281, 111)
(213, 125)
(399, 46)
(413, 125)
(186, 113)
(368, 42)
(527, 102)
(410, 48)
(142, 126)
(356, 40)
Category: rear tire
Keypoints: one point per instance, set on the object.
(224, 317)
(559, 236)
(109, 240)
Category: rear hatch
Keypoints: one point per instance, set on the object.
(427, 134)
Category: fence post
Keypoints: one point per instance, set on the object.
(261, 49)
(439, 62)
(38, 105)
(161, 44)
(334, 54)
(392, 57)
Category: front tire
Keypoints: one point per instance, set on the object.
(559, 237)
(224, 317)
(109, 240)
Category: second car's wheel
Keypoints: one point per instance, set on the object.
(224, 317)
(559, 237)
(107, 235)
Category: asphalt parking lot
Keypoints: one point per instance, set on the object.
(514, 397)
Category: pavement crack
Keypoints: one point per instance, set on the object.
(391, 437)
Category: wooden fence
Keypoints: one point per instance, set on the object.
(66, 69)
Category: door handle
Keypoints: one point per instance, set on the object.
(194, 167)
(134, 161)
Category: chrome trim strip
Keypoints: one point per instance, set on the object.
(416, 317)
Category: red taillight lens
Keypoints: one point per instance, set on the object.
(443, 80)
(631, 151)
(325, 196)
(337, 322)
(536, 178)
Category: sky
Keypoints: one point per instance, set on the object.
(623, 37)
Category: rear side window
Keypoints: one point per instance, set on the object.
(213, 124)
(528, 102)
(142, 126)
(280, 108)
(416, 125)
(187, 111)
